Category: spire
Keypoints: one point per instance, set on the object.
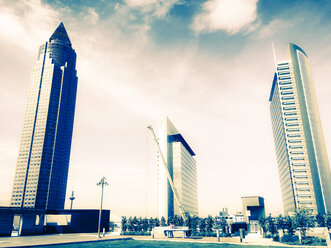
(60, 33)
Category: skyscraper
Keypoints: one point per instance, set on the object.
(303, 164)
(44, 152)
(182, 168)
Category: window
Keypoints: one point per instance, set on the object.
(286, 87)
(288, 103)
(283, 77)
(285, 83)
(289, 108)
(292, 124)
(298, 158)
(291, 119)
(290, 113)
(283, 73)
(296, 153)
(288, 98)
(296, 147)
(283, 68)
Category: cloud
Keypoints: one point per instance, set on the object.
(228, 15)
(158, 8)
(33, 24)
(92, 16)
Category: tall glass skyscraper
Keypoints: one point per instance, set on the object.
(182, 168)
(44, 152)
(303, 164)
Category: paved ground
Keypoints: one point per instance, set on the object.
(53, 239)
(43, 240)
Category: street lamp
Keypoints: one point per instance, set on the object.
(103, 182)
(72, 198)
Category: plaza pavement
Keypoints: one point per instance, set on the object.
(44, 240)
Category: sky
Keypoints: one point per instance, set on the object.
(207, 65)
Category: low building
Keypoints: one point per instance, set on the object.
(28, 221)
(253, 209)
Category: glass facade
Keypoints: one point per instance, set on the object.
(44, 152)
(303, 165)
(182, 168)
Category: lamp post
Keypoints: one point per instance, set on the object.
(72, 198)
(103, 182)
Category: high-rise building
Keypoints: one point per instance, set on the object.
(44, 152)
(303, 164)
(182, 168)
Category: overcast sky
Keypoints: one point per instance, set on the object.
(207, 65)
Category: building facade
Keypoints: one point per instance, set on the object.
(43, 160)
(253, 208)
(182, 168)
(303, 164)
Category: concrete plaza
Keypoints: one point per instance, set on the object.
(43, 240)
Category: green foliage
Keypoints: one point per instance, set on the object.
(314, 241)
(163, 221)
(294, 240)
(320, 220)
(290, 239)
(328, 221)
(303, 220)
(194, 223)
(209, 224)
(188, 221)
(263, 225)
(124, 223)
(140, 233)
(289, 226)
(275, 237)
(202, 225)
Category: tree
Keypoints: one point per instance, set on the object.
(222, 225)
(280, 223)
(124, 224)
(270, 225)
(178, 220)
(157, 222)
(151, 224)
(194, 224)
(202, 225)
(303, 220)
(328, 221)
(209, 224)
(263, 224)
(145, 225)
(163, 221)
(170, 220)
(130, 225)
(188, 221)
(289, 226)
(135, 224)
(320, 220)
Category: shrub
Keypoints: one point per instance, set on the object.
(268, 235)
(290, 239)
(313, 241)
(141, 233)
(275, 237)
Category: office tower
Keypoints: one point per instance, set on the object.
(303, 164)
(182, 168)
(44, 152)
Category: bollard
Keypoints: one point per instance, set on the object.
(300, 237)
(242, 234)
(218, 235)
(103, 232)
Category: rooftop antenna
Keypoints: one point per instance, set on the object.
(274, 52)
